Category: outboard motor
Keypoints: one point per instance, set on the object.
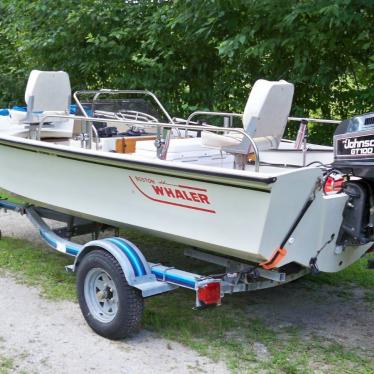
(354, 157)
(354, 146)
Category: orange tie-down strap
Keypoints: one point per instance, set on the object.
(275, 259)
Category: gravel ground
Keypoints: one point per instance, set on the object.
(322, 311)
(43, 336)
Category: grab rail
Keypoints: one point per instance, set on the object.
(298, 119)
(221, 129)
(228, 114)
(219, 114)
(178, 126)
(315, 120)
(159, 125)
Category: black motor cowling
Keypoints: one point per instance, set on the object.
(354, 146)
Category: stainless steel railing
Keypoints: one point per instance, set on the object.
(315, 120)
(93, 134)
(218, 114)
(154, 125)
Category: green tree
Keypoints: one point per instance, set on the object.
(198, 54)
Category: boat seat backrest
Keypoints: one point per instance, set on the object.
(267, 109)
(48, 91)
(264, 119)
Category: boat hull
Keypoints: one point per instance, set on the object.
(239, 215)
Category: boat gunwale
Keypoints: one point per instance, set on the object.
(233, 180)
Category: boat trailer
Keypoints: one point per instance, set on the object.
(113, 276)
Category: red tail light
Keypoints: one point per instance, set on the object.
(210, 293)
(333, 185)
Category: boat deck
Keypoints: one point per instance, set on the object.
(188, 153)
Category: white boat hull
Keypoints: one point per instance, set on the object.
(230, 212)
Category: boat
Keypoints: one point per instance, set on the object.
(238, 192)
(267, 209)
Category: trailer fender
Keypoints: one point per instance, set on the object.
(134, 265)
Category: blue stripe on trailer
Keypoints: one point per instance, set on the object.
(8, 205)
(68, 248)
(131, 255)
(139, 261)
(46, 237)
(71, 250)
(174, 278)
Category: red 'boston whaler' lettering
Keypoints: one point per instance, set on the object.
(181, 194)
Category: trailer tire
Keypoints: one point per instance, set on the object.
(111, 307)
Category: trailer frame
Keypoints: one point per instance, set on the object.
(147, 278)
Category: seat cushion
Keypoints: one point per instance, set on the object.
(178, 149)
(211, 139)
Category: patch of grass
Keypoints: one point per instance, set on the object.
(369, 296)
(232, 338)
(357, 274)
(226, 333)
(6, 365)
(11, 197)
(39, 267)
(339, 359)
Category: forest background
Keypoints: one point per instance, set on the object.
(198, 54)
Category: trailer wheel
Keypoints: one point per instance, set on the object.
(110, 306)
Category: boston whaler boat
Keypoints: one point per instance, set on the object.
(269, 210)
